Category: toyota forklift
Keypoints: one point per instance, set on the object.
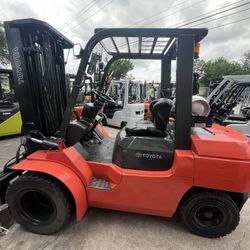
(62, 167)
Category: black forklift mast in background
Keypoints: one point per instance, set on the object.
(36, 51)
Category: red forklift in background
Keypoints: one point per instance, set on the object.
(191, 168)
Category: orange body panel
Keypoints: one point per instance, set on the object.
(147, 192)
(102, 130)
(151, 192)
(64, 175)
(68, 166)
(222, 160)
(132, 190)
(222, 142)
(143, 191)
(222, 174)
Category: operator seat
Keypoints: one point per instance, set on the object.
(76, 130)
(151, 105)
(160, 113)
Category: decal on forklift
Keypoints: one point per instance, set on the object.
(17, 62)
(148, 156)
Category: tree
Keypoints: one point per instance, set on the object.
(4, 54)
(214, 70)
(199, 66)
(245, 62)
(121, 67)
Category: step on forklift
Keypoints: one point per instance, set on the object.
(10, 117)
(195, 169)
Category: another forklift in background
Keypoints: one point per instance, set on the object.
(192, 168)
(128, 109)
(10, 117)
(151, 91)
(156, 92)
(230, 102)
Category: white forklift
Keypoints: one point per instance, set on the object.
(128, 109)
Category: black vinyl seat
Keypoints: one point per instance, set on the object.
(160, 112)
(149, 131)
(151, 105)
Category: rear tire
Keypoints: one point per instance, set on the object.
(210, 214)
(39, 203)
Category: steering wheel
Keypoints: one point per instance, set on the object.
(103, 96)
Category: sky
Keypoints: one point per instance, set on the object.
(77, 19)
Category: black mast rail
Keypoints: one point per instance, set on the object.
(36, 51)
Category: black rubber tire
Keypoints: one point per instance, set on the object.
(215, 204)
(34, 192)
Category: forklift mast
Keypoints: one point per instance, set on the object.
(36, 51)
(225, 85)
(37, 58)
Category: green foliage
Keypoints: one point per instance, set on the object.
(214, 70)
(4, 54)
(121, 67)
(245, 62)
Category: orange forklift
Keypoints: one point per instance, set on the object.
(192, 168)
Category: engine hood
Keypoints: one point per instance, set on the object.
(220, 142)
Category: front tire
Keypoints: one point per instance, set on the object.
(39, 203)
(210, 214)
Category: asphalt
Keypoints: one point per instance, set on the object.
(106, 229)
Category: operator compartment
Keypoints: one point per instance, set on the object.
(143, 152)
(150, 148)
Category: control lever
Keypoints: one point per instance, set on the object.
(45, 143)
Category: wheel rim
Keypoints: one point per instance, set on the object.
(208, 216)
(36, 207)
